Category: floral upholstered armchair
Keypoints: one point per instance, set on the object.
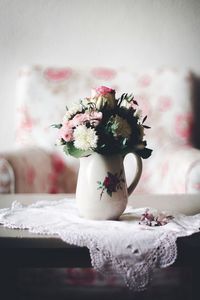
(38, 166)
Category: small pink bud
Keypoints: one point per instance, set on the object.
(101, 90)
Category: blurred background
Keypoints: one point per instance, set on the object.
(135, 34)
(141, 34)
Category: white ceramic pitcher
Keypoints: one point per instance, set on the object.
(101, 192)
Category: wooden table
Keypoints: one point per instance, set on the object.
(19, 248)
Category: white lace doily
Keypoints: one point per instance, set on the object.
(124, 246)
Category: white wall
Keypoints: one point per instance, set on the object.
(139, 33)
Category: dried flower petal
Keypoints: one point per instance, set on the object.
(149, 219)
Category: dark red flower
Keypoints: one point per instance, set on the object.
(107, 182)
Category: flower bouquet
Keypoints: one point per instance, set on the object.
(104, 124)
(101, 130)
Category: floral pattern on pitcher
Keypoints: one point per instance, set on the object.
(111, 183)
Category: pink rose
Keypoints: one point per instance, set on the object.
(79, 119)
(67, 129)
(66, 132)
(94, 118)
(103, 96)
(102, 91)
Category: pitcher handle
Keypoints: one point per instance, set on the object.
(137, 175)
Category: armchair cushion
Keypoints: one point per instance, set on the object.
(175, 169)
(43, 93)
(39, 171)
(163, 94)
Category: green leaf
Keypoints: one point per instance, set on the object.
(124, 141)
(109, 193)
(135, 102)
(144, 119)
(58, 126)
(144, 153)
(125, 151)
(70, 149)
(129, 98)
(103, 146)
(65, 149)
(123, 96)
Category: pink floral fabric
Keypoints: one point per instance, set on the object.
(38, 171)
(162, 94)
(43, 94)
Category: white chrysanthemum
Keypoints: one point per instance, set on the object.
(59, 142)
(85, 138)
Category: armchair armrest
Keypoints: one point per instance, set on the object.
(38, 171)
(7, 178)
(193, 178)
(180, 170)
